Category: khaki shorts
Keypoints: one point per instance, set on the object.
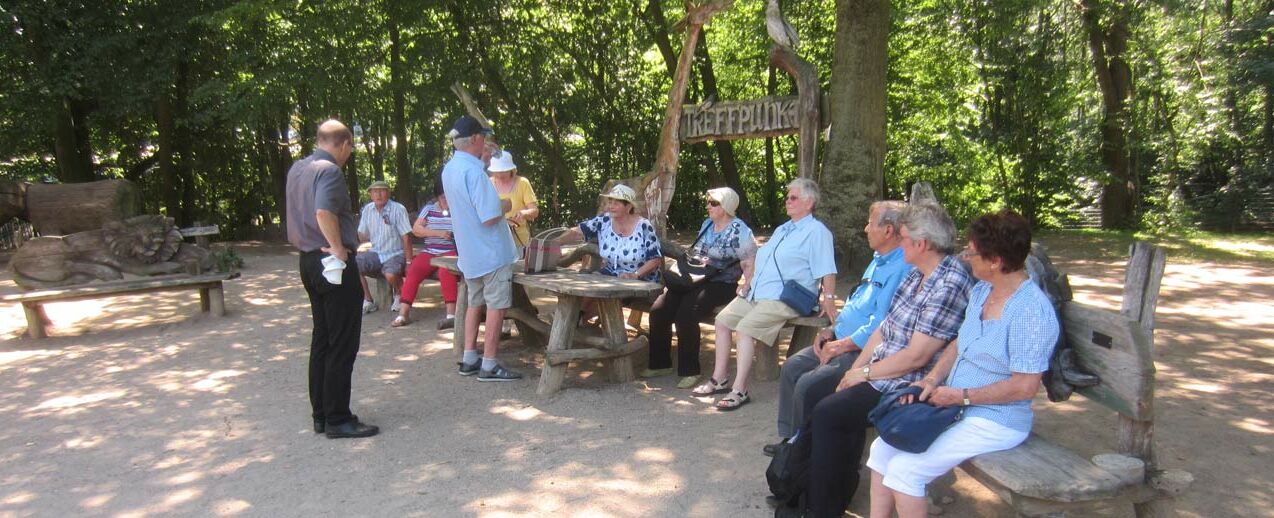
(493, 290)
(762, 319)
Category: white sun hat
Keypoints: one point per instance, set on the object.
(502, 163)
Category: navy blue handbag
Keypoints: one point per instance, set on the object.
(803, 301)
(912, 427)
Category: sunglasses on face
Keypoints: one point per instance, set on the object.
(714, 203)
(793, 197)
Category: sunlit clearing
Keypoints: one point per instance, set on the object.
(1203, 387)
(654, 455)
(16, 356)
(96, 501)
(21, 497)
(213, 381)
(231, 507)
(64, 402)
(1253, 424)
(517, 414)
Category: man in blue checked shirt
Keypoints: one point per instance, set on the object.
(837, 347)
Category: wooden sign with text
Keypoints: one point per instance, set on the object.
(730, 120)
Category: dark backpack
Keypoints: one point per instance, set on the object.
(788, 473)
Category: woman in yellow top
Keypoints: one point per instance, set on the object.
(516, 189)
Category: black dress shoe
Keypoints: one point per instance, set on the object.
(351, 429)
(320, 425)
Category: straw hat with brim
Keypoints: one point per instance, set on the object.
(378, 185)
(622, 193)
(503, 163)
(726, 196)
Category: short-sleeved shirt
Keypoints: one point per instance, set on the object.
(482, 249)
(932, 305)
(866, 308)
(520, 198)
(990, 351)
(385, 228)
(725, 249)
(316, 182)
(798, 251)
(623, 254)
(437, 219)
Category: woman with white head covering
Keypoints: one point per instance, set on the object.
(517, 189)
(725, 244)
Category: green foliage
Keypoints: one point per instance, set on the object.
(226, 259)
(994, 103)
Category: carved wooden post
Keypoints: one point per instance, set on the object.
(659, 184)
(808, 92)
(1141, 296)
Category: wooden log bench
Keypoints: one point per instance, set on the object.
(211, 295)
(1042, 478)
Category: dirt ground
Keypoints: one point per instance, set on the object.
(138, 407)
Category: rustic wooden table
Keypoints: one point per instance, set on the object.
(564, 343)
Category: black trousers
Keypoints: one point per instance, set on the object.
(338, 320)
(839, 425)
(685, 309)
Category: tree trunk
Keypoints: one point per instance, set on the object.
(724, 148)
(853, 167)
(71, 142)
(1107, 45)
(406, 187)
(771, 179)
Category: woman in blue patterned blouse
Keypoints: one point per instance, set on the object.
(993, 369)
(626, 241)
(723, 242)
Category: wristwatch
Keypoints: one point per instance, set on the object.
(829, 296)
(965, 392)
(867, 372)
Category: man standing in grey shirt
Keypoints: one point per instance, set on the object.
(321, 225)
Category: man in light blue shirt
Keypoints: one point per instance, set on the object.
(484, 246)
(836, 347)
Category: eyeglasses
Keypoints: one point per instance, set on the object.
(714, 203)
(793, 197)
(385, 218)
(968, 253)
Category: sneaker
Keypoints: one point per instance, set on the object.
(499, 373)
(369, 306)
(447, 323)
(395, 306)
(469, 369)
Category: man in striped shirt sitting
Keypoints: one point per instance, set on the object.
(384, 222)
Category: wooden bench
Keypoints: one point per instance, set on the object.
(766, 364)
(1041, 478)
(211, 295)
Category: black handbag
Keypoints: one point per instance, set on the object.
(687, 273)
(911, 427)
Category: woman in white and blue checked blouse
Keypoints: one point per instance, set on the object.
(993, 369)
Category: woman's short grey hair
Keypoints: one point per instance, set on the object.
(808, 188)
(462, 142)
(930, 222)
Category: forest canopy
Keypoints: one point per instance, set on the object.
(1160, 113)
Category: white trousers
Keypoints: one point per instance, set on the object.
(909, 473)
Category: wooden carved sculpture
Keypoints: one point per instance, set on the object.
(141, 245)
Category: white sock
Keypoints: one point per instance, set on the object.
(470, 357)
(488, 363)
